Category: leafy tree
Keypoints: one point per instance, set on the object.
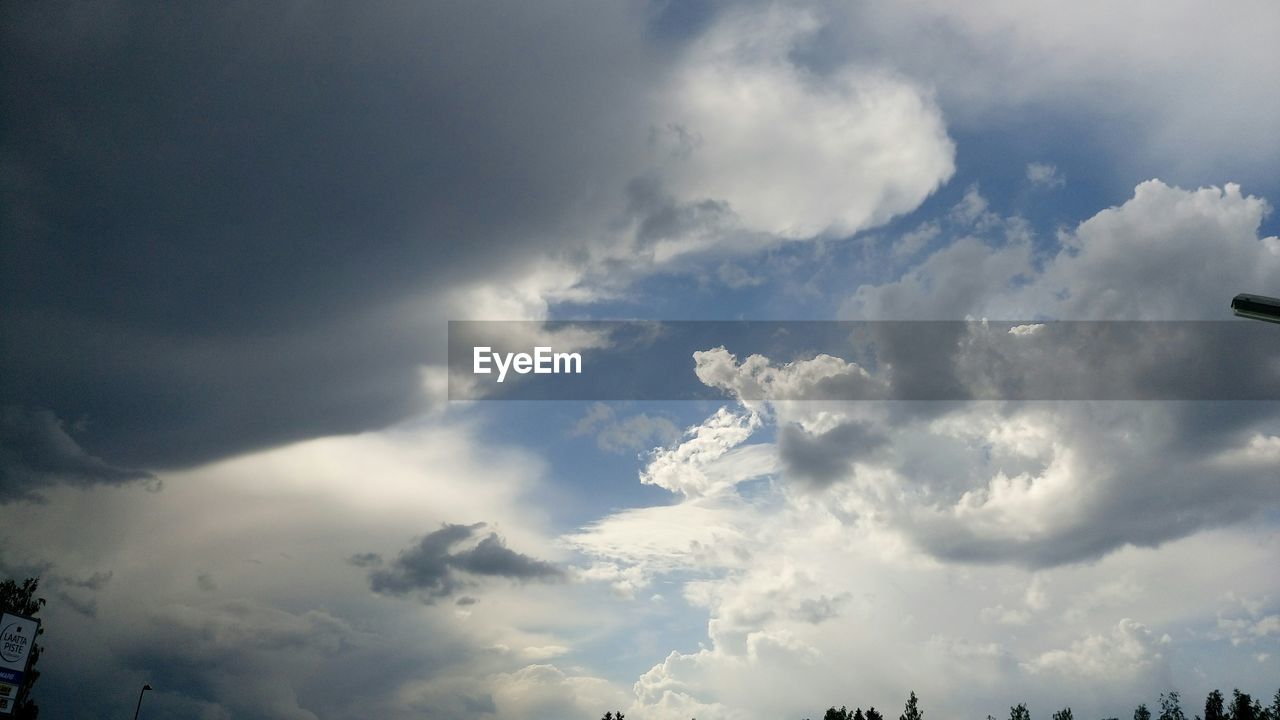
(1063, 714)
(834, 714)
(1141, 712)
(1171, 706)
(1019, 712)
(873, 714)
(857, 714)
(614, 716)
(912, 709)
(1213, 707)
(1243, 706)
(22, 600)
(1274, 712)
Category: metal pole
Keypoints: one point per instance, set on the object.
(136, 710)
(1256, 307)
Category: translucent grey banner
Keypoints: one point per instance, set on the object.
(860, 360)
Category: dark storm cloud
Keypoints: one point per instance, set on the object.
(237, 659)
(824, 458)
(36, 451)
(434, 568)
(214, 213)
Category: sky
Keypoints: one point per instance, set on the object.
(232, 236)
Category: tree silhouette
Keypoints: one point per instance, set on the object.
(1213, 707)
(22, 600)
(1171, 706)
(614, 716)
(912, 709)
(1244, 707)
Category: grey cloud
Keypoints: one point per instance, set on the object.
(36, 451)
(365, 560)
(1143, 477)
(662, 217)
(236, 659)
(1142, 474)
(79, 593)
(819, 460)
(1041, 484)
(218, 217)
(96, 581)
(818, 610)
(19, 570)
(983, 57)
(87, 607)
(1124, 263)
(436, 568)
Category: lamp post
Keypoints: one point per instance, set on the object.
(145, 688)
(1257, 307)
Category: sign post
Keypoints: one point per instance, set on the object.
(17, 637)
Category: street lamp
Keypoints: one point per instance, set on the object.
(145, 688)
(1257, 307)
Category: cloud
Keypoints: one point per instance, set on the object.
(1045, 175)
(242, 656)
(795, 153)
(367, 559)
(1037, 484)
(756, 379)
(820, 459)
(274, 529)
(545, 691)
(264, 259)
(709, 459)
(434, 568)
(1127, 262)
(1143, 83)
(1034, 484)
(1129, 649)
(183, 269)
(510, 175)
(809, 566)
(852, 616)
(973, 211)
(911, 243)
(630, 548)
(632, 433)
(539, 691)
(36, 452)
(736, 277)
